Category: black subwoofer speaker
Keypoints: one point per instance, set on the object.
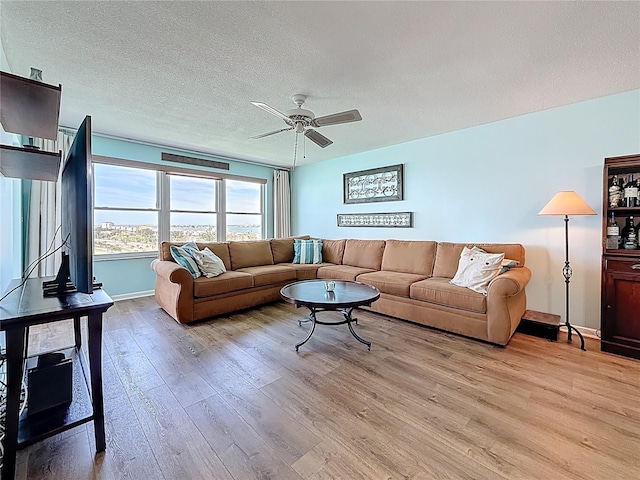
(49, 383)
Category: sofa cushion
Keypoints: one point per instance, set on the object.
(393, 283)
(332, 251)
(227, 282)
(448, 255)
(363, 253)
(307, 251)
(306, 271)
(250, 254)
(342, 272)
(438, 290)
(282, 248)
(405, 256)
(269, 274)
(165, 250)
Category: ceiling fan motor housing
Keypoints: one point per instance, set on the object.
(301, 118)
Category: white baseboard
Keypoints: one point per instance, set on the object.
(585, 331)
(130, 296)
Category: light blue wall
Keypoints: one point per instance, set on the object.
(487, 184)
(123, 277)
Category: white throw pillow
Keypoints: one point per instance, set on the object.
(208, 262)
(476, 269)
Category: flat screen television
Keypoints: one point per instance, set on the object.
(76, 271)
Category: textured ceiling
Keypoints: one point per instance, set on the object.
(183, 73)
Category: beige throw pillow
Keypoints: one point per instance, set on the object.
(208, 262)
(476, 269)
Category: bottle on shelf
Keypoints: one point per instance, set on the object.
(613, 233)
(616, 194)
(630, 235)
(630, 192)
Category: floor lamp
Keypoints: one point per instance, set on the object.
(567, 203)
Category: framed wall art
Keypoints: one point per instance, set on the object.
(393, 220)
(382, 184)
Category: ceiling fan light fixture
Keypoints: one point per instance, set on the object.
(299, 127)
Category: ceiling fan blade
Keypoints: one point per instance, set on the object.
(272, 111)
(317, 138)
(270, 133)
(336, 118)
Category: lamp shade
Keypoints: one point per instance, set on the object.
(567, 203)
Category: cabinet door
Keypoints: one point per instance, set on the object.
(621, 320)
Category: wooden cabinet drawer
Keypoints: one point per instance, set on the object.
(623, 265)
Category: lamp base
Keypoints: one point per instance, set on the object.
(571, 327)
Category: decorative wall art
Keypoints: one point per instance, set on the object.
(382, 184)
(398, 219)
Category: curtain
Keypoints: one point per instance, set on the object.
(42, 214)
(281, 204)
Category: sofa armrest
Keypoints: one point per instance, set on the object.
(174, 289)
(506, 303)
(510, 282)
(172, 271)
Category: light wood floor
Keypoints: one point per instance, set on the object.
(231, 399)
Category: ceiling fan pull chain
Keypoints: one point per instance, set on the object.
(295, 152)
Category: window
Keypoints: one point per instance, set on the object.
(244, 210)
(126, 210)
(138, 205)
(193, 209)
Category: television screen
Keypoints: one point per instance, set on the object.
(76, 271)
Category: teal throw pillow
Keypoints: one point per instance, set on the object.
(182, 257)
(307, 251)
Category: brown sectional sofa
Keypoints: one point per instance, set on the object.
(412, 276)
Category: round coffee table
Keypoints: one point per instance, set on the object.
(344, 298)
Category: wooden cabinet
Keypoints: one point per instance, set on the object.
(29, 108)
(620, 318)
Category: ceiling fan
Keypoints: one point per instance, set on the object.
(302, 120)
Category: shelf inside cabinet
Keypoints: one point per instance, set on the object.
(622, 252)
(29, 107)
(29, 163)
(624, 209)
(623, 172)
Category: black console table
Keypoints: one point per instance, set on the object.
(26, 307)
